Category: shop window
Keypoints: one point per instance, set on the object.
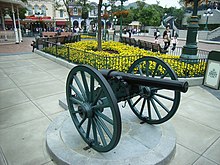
(43, 10)
(75, 11)
(61, 13)
(30, 10)
(36, 9)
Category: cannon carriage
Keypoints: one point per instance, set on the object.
(150, 87)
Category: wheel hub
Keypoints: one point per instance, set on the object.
(147, 92)
(85, 110)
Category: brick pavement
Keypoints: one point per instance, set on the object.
(12, 48)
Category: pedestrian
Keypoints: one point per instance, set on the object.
(166, 37)
(156, 36)
(174, 41)
(129, 33)
(33, 44)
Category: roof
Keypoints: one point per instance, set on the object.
(7, 3)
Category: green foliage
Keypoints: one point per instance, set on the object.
(22, 12)
(149, 16)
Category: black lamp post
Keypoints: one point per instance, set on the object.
(115, 20)
(121, 8)
(105, 5)
(189, 51)
(207, 14)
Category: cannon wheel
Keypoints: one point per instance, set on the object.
(93, 108)
(154, 105)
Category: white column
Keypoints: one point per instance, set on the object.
(3, 25)
(19, 27)
(15, 28)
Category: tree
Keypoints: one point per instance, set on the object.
(149, 16)
(99, 25)
(66, 3)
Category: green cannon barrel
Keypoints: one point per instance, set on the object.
(181, 86)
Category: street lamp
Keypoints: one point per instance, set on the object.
(107, 7)
(163, 20)
(189, 51)
(122, 1)
(115, 20)
(207, 14)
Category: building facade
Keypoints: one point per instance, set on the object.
(45, 15)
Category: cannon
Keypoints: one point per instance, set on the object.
(150, 87)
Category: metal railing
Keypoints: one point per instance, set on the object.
(122, 63)
(178, 52)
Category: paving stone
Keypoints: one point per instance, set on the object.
(36, 77)
(193, 135)
(204, 161)
(25, 143)
(49, 105)
(213, 152)
(6, 83)
(183, 156)
(18, 114)
(11, 97)
(43, 89)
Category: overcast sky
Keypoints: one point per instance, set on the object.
(164, 3)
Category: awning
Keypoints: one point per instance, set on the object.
(61, 23)
(135, 23)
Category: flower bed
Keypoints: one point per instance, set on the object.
(118, 56)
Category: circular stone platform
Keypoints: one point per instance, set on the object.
(140, 144)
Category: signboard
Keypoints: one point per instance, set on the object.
(212, 76)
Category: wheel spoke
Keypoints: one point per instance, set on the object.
(88, 128)
(104, 127)
(139, 69)
(101, 134)
(161, 104)
(82, 121)
(99, 106)
(98, 96)
(80, 87)
(92, 83)
(137, 101)
(94, 132)
(155, 70)
(155, 108)
(76, 101)
(142, 107)
(106, 118)
(85, 84)
(77, 92)
(166, 73)
(147, 68)
(165, 97)
(149, 109)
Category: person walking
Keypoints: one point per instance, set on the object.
(156, 36)
(174, 41)
(166, 37)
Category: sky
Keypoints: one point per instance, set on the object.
(163, 3)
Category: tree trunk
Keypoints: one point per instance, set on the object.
(99, 26)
